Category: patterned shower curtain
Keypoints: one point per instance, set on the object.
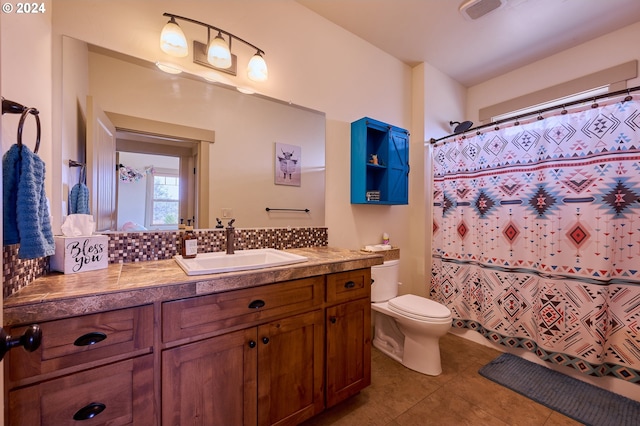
(536, 236)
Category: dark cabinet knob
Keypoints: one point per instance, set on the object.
(89, 411)
(257, 304)
(30, 340)
(333, 320)
(252, 344)
(349, 284)
(90, 339)
(265, 340)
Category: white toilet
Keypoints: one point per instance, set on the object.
(408, 327)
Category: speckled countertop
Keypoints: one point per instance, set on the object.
(131, 284)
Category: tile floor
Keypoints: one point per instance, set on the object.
(459, 396)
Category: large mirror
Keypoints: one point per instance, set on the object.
(230, 139)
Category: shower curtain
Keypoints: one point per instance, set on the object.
(536, 236)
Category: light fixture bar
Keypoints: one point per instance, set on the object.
(231, 36)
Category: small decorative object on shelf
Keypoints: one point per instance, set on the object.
(373, 195)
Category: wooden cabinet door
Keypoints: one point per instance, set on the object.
(398, 167)
(348, 349)
(290, 369)
(211, 382)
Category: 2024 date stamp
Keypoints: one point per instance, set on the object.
(24, 8)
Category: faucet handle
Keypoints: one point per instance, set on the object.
(230, 224)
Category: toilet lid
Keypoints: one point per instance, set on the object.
(418, 307)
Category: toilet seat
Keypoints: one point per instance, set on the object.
(419, 308)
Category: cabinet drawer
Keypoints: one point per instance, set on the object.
(217, 312)
(124, 390)
(350, 285)
(71, 342)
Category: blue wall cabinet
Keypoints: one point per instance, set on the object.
(379, 163)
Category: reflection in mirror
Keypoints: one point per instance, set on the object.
(148, 192)
(236, 173)
(155, 180)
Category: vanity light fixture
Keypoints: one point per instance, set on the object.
(216, 53)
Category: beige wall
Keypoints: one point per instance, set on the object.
(603, 52)
(336, 73)
(26, 76)
(24, 81)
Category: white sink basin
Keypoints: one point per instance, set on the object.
(241, 260)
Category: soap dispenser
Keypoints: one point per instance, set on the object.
(189, 243)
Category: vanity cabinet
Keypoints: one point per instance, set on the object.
(348, 323)
(379, 163)
(273, 354)
(96, 367)
(267, 374)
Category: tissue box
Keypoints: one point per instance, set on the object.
(80, 254)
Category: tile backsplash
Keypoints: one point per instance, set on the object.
(141, 246)
(17, 273)
(144, 246)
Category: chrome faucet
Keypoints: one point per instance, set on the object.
(231, 237)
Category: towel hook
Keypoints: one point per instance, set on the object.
(23, 117)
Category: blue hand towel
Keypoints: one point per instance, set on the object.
(26, 213)
(79, 199)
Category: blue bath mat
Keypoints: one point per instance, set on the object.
(581, 401)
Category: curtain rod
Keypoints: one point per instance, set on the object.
(540, 111)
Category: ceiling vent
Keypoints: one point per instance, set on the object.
(474, 9)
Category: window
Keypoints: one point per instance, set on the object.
(163, 199)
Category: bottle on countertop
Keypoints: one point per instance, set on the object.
(189, 242)
(385, 238)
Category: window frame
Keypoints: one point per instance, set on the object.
(150, 199)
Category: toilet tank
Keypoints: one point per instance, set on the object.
(385, 281)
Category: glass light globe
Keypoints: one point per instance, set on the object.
(218, 53)
(257, 68)
(173, 41)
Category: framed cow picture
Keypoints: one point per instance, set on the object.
(288, 164)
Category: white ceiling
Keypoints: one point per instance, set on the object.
(434, 31)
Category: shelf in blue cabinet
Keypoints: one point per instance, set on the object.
(376, 166)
